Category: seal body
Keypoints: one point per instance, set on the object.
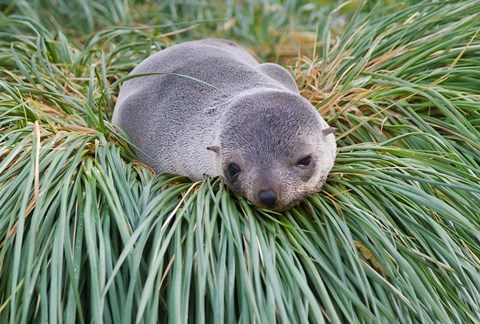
(208, 107)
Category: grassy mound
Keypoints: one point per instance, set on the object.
(87, 234)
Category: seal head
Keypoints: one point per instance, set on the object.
(274, 148)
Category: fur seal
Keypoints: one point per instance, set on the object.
(209, 108)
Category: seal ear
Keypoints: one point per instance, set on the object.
(328, 130)
(214, 148)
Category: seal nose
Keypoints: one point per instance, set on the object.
(267, 197)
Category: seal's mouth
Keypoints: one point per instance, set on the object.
(290, 200)
(280, 205)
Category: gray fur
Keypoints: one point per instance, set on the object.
(245, 112)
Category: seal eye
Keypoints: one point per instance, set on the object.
(304, 162)
(233, 171)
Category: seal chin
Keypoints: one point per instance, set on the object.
(294, 199)
(290, 204)
(278, 198)
(279, 205)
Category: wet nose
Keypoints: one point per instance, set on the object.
(267, 197)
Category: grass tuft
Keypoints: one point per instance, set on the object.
(88, 234)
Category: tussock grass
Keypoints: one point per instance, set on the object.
(89, 235)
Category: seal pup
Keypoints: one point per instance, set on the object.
(207, 107)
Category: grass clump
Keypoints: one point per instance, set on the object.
(89, 235)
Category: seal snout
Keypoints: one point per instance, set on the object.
(267, 197)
